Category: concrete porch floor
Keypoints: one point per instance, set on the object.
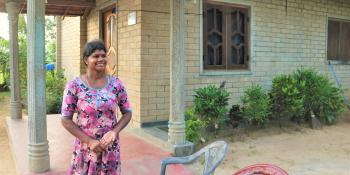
(139, 156)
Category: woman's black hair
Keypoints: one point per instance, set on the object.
(91, 46)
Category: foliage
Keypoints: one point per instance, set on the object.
(55, 84)
(50, 50)
(4, 64)
(194, 126)
(50, 39)
(22, 44)
(4, 56)
(235, 116)
(331, 104)
(286, 98)
(210, 104)
(256, 105)
(320, 96)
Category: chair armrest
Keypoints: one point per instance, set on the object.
(175, 160)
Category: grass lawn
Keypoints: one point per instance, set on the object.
(4, 103)
(4, 94)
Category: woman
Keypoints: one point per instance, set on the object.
(95, 96)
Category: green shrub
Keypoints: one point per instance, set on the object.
(210, 104)
(4, 64)
(309, 86)
(235, 116)
(256, 105)
(286, 98)
(194, 126)
(331, 104)
(55, 84)
(320, 96)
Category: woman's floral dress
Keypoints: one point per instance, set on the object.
(96, 110)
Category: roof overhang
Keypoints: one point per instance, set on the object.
(59, 7)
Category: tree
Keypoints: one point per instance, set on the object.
(22, 46)
(4, 63)
(50, 39)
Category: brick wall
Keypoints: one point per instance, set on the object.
(280, 43)
(155, 60)
(73, 33)
(129, 54)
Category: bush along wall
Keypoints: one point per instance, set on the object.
(255, 105)
(295, 96)
(210, 104)
(304, 92)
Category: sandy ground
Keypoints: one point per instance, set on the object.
(7, 166)
(300, 151)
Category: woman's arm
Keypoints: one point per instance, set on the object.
(110, 136)
(122, 122)
(78, 133)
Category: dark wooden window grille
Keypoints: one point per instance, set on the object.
(338, 40)
(226, 36)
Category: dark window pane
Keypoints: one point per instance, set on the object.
(218, 56)
(241, 21)
(241, 55)
(219, 20)
(345, 42)
(210, 56)
(237, 39)
(210, 19)
(215, 39)
(234, 21)
(233, 55)
(333, 39)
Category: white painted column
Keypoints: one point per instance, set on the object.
(12, 9)
(38, 154)
(177, 135)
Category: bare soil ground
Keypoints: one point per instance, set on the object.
(7, 166)
(297, 149)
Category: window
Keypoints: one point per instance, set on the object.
(226, 36)
(338, 40)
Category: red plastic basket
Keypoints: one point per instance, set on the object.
(261, 169)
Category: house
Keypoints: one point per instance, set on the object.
(238, 41)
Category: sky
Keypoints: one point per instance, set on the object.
(4, 31)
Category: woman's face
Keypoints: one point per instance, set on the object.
(97, 61)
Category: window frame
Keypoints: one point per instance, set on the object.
(227, 8)
(338, 57)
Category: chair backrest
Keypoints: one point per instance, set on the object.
(214, 154)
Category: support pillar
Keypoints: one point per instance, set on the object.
(177, 135)
(58, 44)
(12, 8)
(38, 153)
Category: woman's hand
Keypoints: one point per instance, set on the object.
(108, 138)
(95, 146)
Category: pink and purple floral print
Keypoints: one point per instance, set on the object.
(97, 115)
